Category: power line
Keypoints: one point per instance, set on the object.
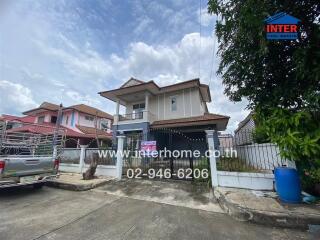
(212, 57)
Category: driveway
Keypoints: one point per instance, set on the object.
(100, 214)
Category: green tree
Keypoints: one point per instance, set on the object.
(267, 73)
(281, 79)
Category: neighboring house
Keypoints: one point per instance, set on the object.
(244, 133)
(152, 110)
(225, 140)
(81, 123)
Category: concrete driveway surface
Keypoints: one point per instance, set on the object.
(51, 213)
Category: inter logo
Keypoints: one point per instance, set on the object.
(282, 27)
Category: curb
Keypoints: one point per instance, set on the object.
(272, 219)
(74, 187)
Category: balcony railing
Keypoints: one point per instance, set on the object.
(131, 116)
(143, 116)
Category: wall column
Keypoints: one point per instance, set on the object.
(213, 160)
(82, 157)
(147, 101)
(118, 107)
(146, 109)
(120, 156)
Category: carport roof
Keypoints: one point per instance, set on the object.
(220, 121)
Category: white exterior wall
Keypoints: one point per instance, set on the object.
(188, 104)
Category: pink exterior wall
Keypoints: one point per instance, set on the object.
(47, 116)
(79, 119)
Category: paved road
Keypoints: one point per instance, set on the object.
(59, 214)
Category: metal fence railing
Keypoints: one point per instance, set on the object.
(246, 152)
(102, 160)
(70, 155)
(18, 138)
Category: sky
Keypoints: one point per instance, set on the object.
(66, 51)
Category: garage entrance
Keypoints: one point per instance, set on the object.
(167, 154)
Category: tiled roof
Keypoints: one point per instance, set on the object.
(45, 106)
(90, 110)
(134, 82)
(49, 106)
(207, 118)
(92, 131)
(152, 87)
(48, 128)
(24, 119)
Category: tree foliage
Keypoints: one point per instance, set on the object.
(281, 79)
(267, 73)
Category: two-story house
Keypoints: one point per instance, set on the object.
(82, 123)
(151, 111)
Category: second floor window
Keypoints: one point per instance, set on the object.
(104, 125)
(138, 107)
(41, 119)
(89, 118)
(173, 103)
(67, 120)
(53, 119)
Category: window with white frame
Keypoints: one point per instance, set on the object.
(173, 101)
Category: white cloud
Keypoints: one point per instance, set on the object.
(15, 96)
(204, 17)
(179, 62)
(59, 60)
(79, 62)
(86, 99)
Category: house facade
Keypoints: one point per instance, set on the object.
(151, 111)
(82, 123)
(243, 135)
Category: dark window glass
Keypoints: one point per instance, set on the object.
(140, 106)
(53, 119)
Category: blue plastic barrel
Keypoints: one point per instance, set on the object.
(288, 184)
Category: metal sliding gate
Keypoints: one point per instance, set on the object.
(179, 155)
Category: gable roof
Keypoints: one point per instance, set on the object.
(153, 88)
(282, 18)
(45, 106)
(90, 110)
(244, 121)
(132, 82)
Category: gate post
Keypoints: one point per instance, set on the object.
(82, 157)
(213, 160)
(120, 156)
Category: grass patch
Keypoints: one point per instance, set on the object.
(234, 165)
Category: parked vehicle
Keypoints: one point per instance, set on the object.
(28, 153)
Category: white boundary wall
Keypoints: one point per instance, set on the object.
(78, 155)
(102, 170)
(255, 181)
